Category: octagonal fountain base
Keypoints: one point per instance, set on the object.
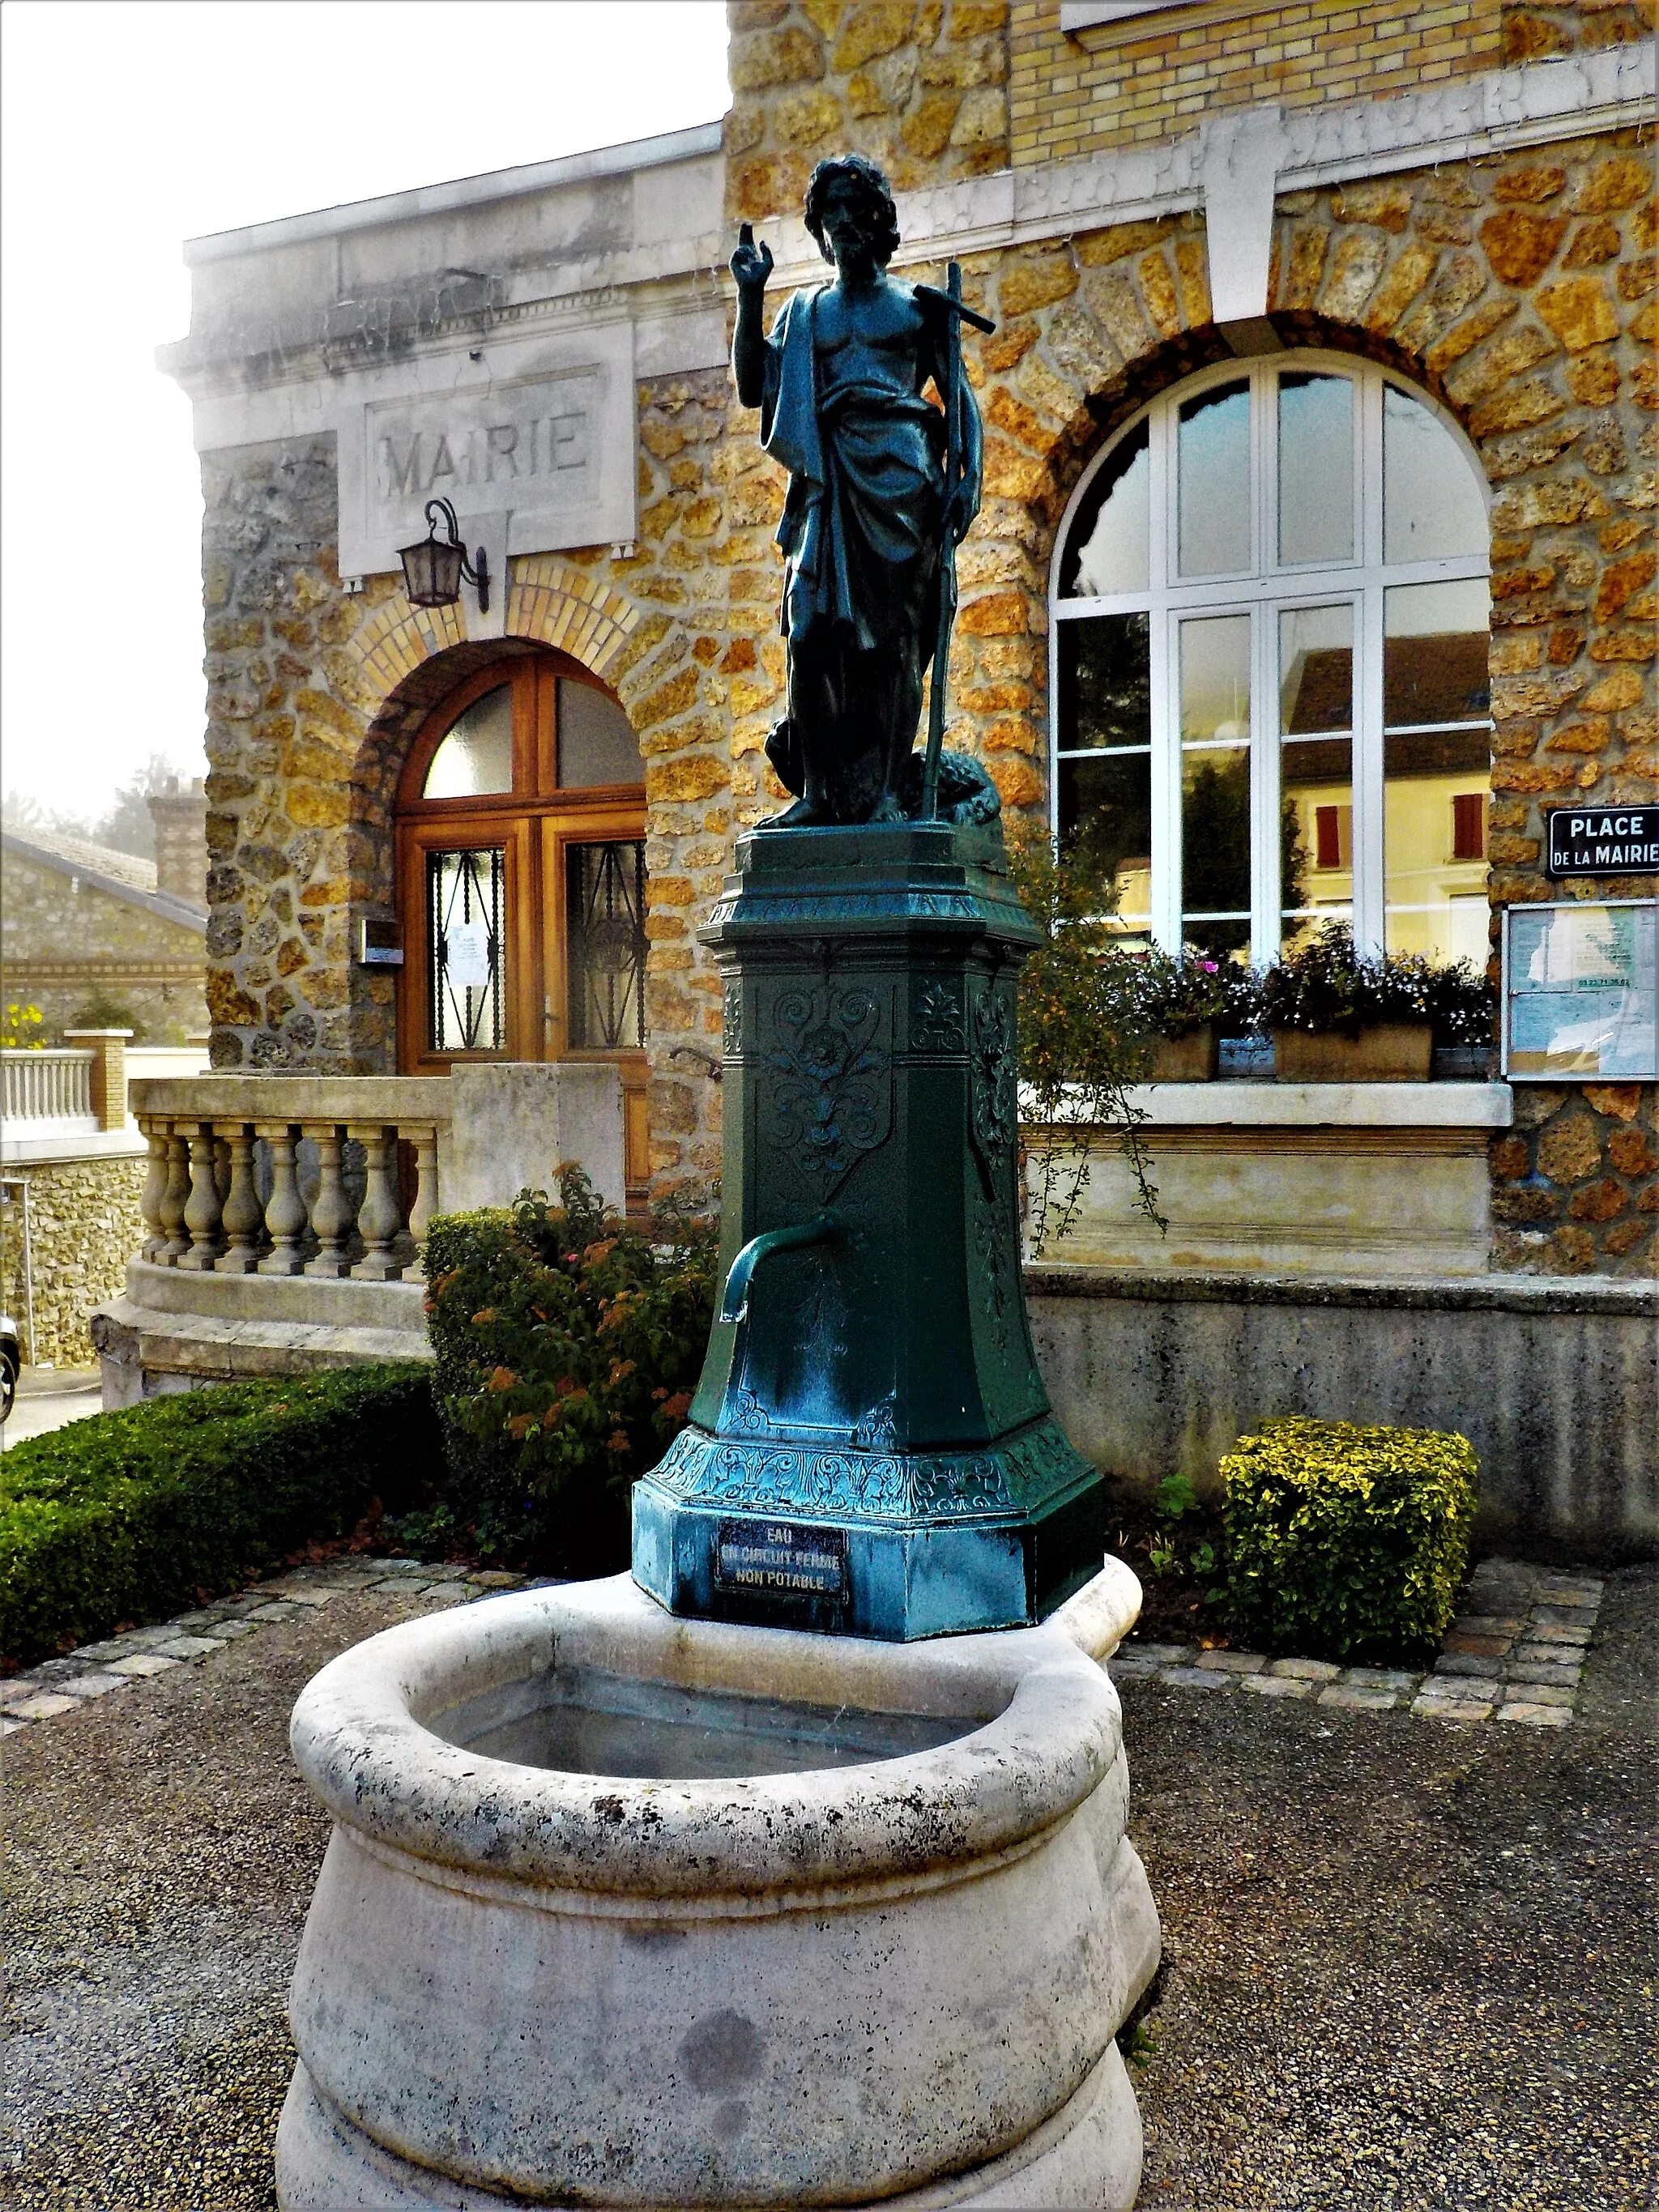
(620, 1909)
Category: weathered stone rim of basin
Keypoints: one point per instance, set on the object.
(1042, 1729)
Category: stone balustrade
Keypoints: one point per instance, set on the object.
(284, 1217)
(47, 1087)
(318, 1175)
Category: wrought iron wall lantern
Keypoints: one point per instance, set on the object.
(432, 569)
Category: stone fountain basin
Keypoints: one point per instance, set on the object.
(624, 1910)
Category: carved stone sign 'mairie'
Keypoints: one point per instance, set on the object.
(540, 434)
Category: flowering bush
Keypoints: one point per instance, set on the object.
(1171, 998)
(1081, 1040)
(18, 1030)
(567, 1346)
(1326, 987)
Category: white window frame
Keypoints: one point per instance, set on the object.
(1261, 592)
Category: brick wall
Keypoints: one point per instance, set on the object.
(1153, 76)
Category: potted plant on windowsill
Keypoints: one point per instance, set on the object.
(1185, 1005)
(1338, 1017)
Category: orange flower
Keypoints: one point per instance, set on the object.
(504, 1378)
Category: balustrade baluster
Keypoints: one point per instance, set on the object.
(244, 1215)
(425, 1200)
(156, 1183)
(285, 1210)
(381, 1214)
(175, 1198)
(204, 1210)
(330, 1211)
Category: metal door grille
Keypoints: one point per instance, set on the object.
(604, 908)
(466, 895)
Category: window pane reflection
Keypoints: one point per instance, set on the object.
(1315, 697)
(1105, 815)
(1434, 654)
(1215, 783)
(1213, 481)
(477, 756)
(1316, 468)
(1105, 683)
(1435, 791)
(1315, 662)
(597, 744)
(1108, 551)
(1215, 679)
(1432, 506)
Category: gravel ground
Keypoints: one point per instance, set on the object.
(1410, 1964)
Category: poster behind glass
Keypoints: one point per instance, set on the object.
(1581, 992)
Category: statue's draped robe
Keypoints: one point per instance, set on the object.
(861, 524)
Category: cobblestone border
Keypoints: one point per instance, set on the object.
(58, 1686)
(1516, 1652)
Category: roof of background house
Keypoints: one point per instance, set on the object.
(122, 875)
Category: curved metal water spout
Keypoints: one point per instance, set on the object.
(825, 1228)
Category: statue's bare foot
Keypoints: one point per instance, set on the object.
(888, 809)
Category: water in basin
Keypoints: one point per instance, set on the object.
(585, 1720)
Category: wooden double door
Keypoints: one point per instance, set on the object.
(520, 836)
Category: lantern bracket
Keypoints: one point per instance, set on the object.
(433, 568)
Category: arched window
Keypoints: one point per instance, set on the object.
(522, 879)
(1268, 634)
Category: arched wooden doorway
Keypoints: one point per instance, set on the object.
(520, 832)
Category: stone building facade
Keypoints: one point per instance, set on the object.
(88, 933)
(1462, 193)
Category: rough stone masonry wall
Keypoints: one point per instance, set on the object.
(84, 1226)
(110, 940)
(920, 85)
(287, 863)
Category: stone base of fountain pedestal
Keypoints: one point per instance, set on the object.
(620, 1910)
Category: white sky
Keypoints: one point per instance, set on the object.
(125, 129)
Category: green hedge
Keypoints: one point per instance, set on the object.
(136, 1514)
(568, 1344)
(1345, 1542)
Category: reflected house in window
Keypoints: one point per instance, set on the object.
(1270, 630)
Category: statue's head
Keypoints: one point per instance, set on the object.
(852, 185)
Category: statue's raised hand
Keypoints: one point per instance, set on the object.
(751, 264)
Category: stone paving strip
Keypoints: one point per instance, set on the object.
(58, 1686)
(1516, 1652)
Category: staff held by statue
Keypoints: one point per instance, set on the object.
(955, 315)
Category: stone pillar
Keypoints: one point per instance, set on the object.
(871, 1450)
(109, 1073)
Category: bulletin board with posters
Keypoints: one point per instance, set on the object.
(1581, 992)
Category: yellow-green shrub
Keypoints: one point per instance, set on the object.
(1345, 1542)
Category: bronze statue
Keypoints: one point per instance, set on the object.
(883, 487)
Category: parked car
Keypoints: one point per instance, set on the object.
(11, 1358)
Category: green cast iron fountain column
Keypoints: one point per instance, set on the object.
(870, 1449)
